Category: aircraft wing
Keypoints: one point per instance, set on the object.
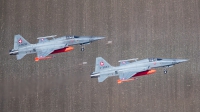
(128, 74)
(44, 52)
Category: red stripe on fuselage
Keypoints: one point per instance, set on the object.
(148, 72)
(66, 49)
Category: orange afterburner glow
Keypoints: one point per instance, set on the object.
(42, 58)
(148, 72)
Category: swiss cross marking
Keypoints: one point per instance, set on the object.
(101, 63)
(20, 40)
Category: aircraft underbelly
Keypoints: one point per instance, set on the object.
(66, 49)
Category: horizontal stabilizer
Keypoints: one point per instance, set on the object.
(20, 56)
(102, 78)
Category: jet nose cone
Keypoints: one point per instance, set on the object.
(97, 38)
(181, 60)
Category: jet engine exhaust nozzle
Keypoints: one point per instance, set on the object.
(13, 52)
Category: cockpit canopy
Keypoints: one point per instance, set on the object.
(69, 37)
(154, 59)
(76, 36)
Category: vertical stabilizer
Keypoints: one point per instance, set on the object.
(101, 64)
(19, 41)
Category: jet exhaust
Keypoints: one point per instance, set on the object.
(13, 52)
(94, 75)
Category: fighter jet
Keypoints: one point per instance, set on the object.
(131, 68)
(46, 46)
